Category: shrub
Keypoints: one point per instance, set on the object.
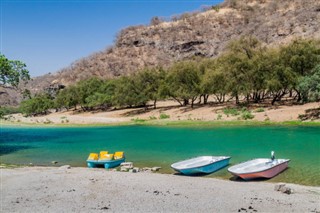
(259, 110)
(164, 116)
(47, 121)
(8, 110)
(219, 117)
(152, 117)
(231, 111)
(138, 120)
(247, 115)
(216, 8)
(156, 20)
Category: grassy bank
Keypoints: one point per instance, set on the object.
(164, 122)
(225, 123)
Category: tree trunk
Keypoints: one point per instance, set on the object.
(248, 98)
(205, 99)
(193, 99)
(200, 99)
(237, 99)
(155, 104)
(278, 96)
(257, 97)
(274, 100)
(298, 95)
(181, 104)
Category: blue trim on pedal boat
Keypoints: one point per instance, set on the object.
(105, 163)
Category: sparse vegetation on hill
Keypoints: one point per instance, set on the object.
(203, 34)
(247, 72)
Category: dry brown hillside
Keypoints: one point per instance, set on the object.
(193, 34)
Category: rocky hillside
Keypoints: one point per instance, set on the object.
(204, 33)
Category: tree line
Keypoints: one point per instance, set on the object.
(247, 72)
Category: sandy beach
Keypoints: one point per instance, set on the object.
(171, 109)
(54, 189)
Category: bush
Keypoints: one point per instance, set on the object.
(39, 104)
(231, 111)
(164, 116)
(152, 117)
(247, 115)
(259, 110)
(156, 20)
(216, 8)
(219, 117)
(47, 121)
(138, 120)
(8, 110)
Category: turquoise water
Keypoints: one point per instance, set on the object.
(162, 146)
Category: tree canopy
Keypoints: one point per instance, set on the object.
(12, 71)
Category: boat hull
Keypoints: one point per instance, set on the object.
(268, 173)
(104, 163)
(206, 169)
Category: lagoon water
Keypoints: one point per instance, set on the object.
(162, 146)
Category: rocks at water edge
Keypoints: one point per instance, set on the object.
(146, 169)
(155, 169)
(65, 167)
(283, 188)
(123, 169)
(128, 167)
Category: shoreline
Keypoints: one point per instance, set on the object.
(160, 172)
(168, 123)
(169, 113)
(41, 189)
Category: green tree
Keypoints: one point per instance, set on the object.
(279, 78)
(39, 104)
(4, 110)
(300, 56)
(103, 97)
(87, 88)
(309, 86)
(238, 63)
(183, 82)
(67, 98)
(215, 82)
(12, 71)
(148, 82)
(128, 93)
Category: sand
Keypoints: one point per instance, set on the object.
(170, 108)
(53, 189)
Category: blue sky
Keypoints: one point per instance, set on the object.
(50, 35)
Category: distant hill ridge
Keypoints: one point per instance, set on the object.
(193, 34)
